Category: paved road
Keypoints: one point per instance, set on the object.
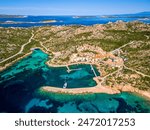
(122, 46)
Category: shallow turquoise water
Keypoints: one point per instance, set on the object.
(20, 83)
(93, 103)
(33, 71)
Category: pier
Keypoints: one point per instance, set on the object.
(69, 70)
(93, 70)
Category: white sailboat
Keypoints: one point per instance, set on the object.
(65, 85)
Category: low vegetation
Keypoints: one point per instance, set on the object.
(64, 40)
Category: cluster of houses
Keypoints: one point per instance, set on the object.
(95, 55)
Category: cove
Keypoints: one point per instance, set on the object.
(19, 85)
(33, 72)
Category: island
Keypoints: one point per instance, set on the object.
(12, 16)
(49, 21)
(119, 51)
(77, 17)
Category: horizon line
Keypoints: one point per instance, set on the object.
(73, 14)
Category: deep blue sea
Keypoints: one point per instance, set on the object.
(31, 21)
(20, 90)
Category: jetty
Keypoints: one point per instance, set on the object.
(69, 70)
(93, 70)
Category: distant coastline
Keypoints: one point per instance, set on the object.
(32, 21)
(12, 16)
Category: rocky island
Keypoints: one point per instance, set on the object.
(48, 21)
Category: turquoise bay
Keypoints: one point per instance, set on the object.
(20, 83)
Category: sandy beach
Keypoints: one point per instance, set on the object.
(97, 89)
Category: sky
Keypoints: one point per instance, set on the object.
(73, 7)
